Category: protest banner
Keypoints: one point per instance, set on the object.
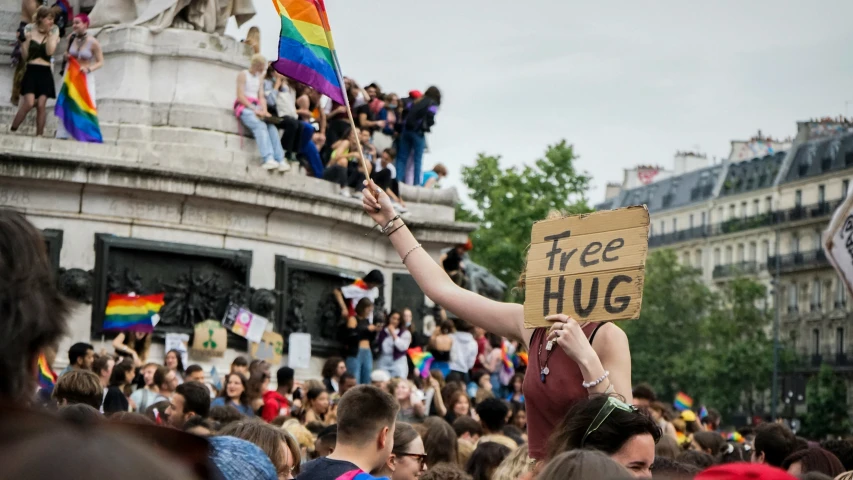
(590, 267)
(270, 348)
(299, 350)
(241, 321)
(209, 339)
(838, 242)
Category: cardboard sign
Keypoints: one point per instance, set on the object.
(209, 339)
(838, 242)
(270, 348)
(590, 267)
(299, 350)
(243, 322)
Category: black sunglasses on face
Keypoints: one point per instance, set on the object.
(420, 457)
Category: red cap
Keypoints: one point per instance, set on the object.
(415, 94)
(744, 471)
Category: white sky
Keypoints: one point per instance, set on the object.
(626, 82)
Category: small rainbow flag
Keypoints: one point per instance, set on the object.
(422, 360)
(46, 376)
(306, 51)
(128, 312)
(682, 402)
(75, 108)
(523, 357)
(734, 437)
(703, 412)
(505, 358)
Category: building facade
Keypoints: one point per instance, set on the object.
(764, 218)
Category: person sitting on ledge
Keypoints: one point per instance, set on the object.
(251, 108)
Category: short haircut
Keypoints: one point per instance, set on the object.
(192, 369)
(645, 391)
(843, 449)
(100, 364)
(225, 415)
(130, 418)
(485, 459)
(465, 424)
(284, 375)
(346, 376)
(79, 387)
(712, 441)
(32, 310)
(196, 421)
(80, 414)
(440, 169)
(492, 413)
(362, 412)
(670, 469)
(240, 362)
(329, 434)
(815, 460)
(78, 350)
(196, 398)
(775, 441)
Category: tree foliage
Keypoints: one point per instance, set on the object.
(713, 345)
(509, 200)
(826, 402)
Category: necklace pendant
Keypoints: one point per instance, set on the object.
(546, 371)
(543, 373)
(542, 377)
(549, 346)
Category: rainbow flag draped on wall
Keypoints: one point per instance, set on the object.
(306, 51)
(133, 313)
(75, 108)
(682, 402)
(46, 376)
(422, 360)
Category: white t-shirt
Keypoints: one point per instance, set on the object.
(378, 167)
(253, 84)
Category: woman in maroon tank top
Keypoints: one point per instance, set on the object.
(568, 362)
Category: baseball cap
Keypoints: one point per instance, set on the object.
(380, 376)
(415, 94)
(738, 471)
(238, 459)
(688, 416)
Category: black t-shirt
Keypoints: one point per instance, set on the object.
(328, 469)
(452, 261)
(365, 109)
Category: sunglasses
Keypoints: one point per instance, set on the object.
(420, 457)
(609, 406)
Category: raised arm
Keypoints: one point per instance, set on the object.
(504, 319)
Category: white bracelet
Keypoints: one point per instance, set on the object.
(596, 381)
(409, 252)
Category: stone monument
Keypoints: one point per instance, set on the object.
(175, 201)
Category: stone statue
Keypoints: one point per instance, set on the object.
(210, 16)
(480, 280)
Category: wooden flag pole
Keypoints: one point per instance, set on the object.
(357, 140)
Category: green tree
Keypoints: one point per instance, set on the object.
(713, 345)
(509, 200)
(826, 403)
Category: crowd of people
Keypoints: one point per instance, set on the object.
(291, 122)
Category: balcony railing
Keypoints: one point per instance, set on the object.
(732, 225)
(813, 362)
(798, 261)
(750, 267)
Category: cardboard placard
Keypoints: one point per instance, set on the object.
(838, 242)
(270, 348)
(209, 339)
(590, 267)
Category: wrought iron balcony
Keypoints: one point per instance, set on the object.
(750, 267)
(679, 236)
(792, 262)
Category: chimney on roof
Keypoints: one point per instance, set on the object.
(612, 190)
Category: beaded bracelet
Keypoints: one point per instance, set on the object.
(409, 252)
(596, 381)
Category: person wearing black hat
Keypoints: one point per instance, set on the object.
(349, 296)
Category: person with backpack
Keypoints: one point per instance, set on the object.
(418, 119)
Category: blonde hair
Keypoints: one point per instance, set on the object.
(464, 450)
(301, 434)
(258, 59)
(514, 465)
(253, 38)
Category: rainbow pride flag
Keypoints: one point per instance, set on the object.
(682, 402)
(306, 51)
(422, 360)
(734, 437)
(523, 357)
(703, 412)
(505, 359)
(46, 376)
(75, 107)
(128, 312)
